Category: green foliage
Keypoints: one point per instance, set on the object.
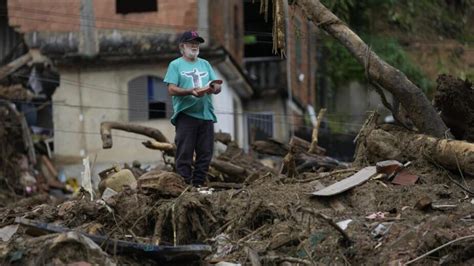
(447, 18)
(371, 19)
(342, 67)
(342, 8)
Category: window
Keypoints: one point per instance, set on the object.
(131, 6)
(148, 99)
(260, 126)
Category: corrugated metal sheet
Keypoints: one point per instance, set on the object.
(9, 39)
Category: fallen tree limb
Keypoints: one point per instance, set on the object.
(307, 162)
(276, 148)
(270, 147)
(106, 132)
(438, 248)
(408, 94)
(302, 145)
(330, 222)
(314, 138)
(236, 173)
(14, 65)
(15, 92)
(286, 258)
(398, 144)
(167, 148)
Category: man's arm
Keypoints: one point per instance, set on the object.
(174, 90)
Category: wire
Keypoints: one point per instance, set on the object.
(216, 112)
(106, 89)
(78, 132)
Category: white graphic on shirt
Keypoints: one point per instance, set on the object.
(195, 76)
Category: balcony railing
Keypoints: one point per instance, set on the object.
(266, 73)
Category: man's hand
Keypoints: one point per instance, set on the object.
(199, 92)
(215, 88)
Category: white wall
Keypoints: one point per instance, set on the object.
(107, 88)
(228, 107)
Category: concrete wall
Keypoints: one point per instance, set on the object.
(229, 112)
(89, 96)
(352, 103)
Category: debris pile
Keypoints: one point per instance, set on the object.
(24, 170)
(406, 198)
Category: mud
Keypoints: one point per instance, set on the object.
(454, 97)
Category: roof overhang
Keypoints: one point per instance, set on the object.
(234, 75)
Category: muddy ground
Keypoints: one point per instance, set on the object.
(266, 218)
(274, 217)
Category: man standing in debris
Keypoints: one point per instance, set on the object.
(189, 83)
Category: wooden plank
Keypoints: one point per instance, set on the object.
(348, 183)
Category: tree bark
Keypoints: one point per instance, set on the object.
(314, 137)
(236, 173)
(14, 65)
(106, 132)
(15, 92)
(412, 98)
(401, 145)
(168, 148)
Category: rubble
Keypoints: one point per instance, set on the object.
(254, 214)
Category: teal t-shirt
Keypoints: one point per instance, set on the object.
(189, 75)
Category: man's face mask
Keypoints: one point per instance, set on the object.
(191, 50)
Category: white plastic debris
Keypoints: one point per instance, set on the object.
(381, 229)
(86, 181)
(344, 224)
(108, 193)
(205, 190)
(225, 263)
(223, 245)
(7, 232)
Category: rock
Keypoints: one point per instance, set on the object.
(423, 203)
(116, 179)
(163, 182)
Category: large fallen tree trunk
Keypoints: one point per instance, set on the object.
(388, 142)
(379, 72)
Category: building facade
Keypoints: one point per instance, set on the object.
(112, 56)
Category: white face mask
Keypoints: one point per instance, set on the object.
(191, 52)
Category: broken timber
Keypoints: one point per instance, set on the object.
(348, 183)
(179, 252)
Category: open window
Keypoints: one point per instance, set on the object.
(131, 6)
(148, 99)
